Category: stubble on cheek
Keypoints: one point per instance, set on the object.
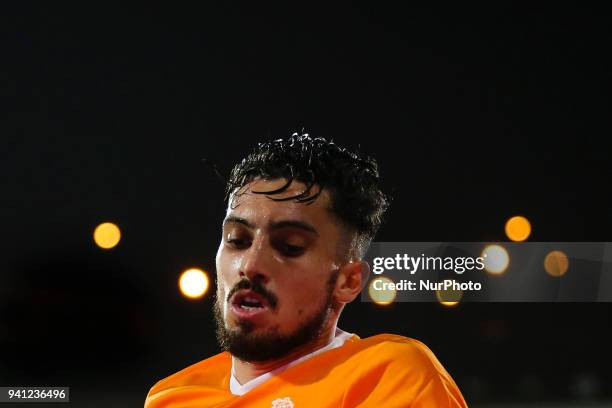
(221, 303)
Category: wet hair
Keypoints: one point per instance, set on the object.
(351, 179)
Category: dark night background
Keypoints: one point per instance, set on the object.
(474, 114)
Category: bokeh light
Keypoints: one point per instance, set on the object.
(107, 235)
(382, 297)
(556, 263)
(449, 297)
(518, 228)
(496, 259)
(193, 283)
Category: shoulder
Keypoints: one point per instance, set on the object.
(403, 352)
(398, 371)
(212, 371)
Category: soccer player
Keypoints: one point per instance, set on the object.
(301, 214)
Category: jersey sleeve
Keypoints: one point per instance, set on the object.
(438, 392)
(403, 374)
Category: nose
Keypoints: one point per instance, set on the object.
(256, 262)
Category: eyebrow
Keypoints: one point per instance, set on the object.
(232, 219)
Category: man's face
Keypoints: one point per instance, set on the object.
(276, 266)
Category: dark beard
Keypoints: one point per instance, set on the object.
(242, 343)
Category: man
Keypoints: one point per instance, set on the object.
(301, 214)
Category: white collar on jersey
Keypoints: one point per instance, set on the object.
(240, 389)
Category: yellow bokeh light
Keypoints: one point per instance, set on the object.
(382, 297)
(449, 297)
(193, 283)
(107, 235)
(556, 263)
(518, 228)
(496, 259)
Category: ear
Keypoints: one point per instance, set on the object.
(351, 279)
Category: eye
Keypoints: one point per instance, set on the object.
(238, 243)
(291, 250)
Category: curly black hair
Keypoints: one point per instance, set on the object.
(352, 180)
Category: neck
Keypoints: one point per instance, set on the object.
(245, 371)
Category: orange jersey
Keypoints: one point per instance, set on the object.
(384, 371)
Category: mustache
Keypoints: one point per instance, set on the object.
(256, 287)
